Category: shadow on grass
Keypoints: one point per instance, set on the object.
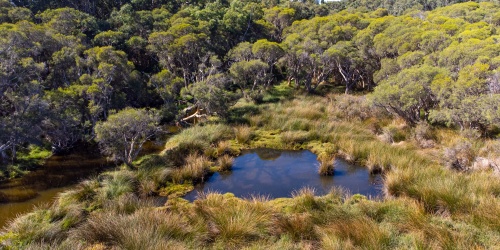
(237, 115)
(278, 93)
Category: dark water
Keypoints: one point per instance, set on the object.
(277, 173)
(60, 173)
(9, 211)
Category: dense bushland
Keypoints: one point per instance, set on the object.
(66, 69)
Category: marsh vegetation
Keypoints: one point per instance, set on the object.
(456, 208)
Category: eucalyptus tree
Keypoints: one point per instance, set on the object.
(123, 134)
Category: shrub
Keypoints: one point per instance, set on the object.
(470, 133)
(349, 108)
(423, 135)
(460, 156)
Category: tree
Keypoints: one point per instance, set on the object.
(167, 85)
(212, 96)
(466, 102)
(268, 52)
(408, 94)
(180, 48)
(249, 73)
(280, 18)
(124, 133)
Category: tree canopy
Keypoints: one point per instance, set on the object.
(67, 65)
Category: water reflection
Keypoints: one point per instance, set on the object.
(277, 173)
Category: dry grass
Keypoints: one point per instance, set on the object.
(243, 134)
(225, 163)
(195, 169)
(144, 229)
(232, 222)
(224, 147)
(326, 164)
(356, 232)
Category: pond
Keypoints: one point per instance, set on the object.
(277, 173)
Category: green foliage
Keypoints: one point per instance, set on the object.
(203, 134)
(124, 133)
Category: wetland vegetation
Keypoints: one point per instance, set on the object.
(407, 90)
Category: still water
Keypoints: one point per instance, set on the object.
(60, 173)
(277, 173)
(40, 187)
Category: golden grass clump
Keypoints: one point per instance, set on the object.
(233, 222)
(195, 169)
(297, 226)
(304, 200)
(225, 163)
(143, 229)
(224, 147)
(356, 232)
(243, 133)
(326, 164)
(295, 137)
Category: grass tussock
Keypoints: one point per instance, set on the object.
(355, 233)
(117, 183)
(225, 148)
(204, 135)
(225, 163)
(143, 229)
(194, 170)
(297, 226)
(233, 223)
(304, 200)
(243, 134)
(326, 164)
